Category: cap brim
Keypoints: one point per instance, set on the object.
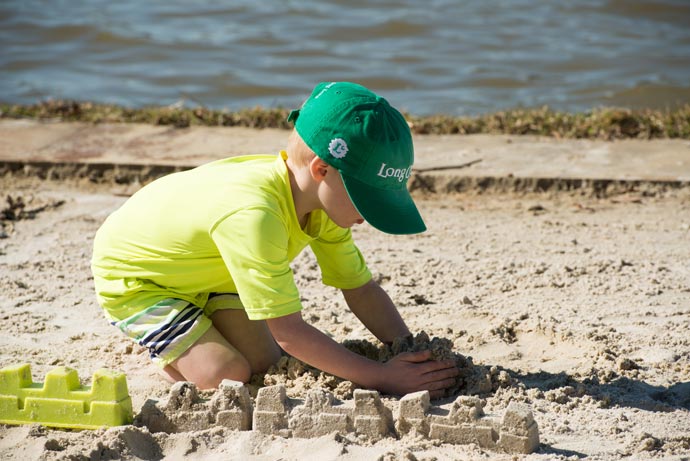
(390, 211)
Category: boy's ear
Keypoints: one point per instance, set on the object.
(318, 169)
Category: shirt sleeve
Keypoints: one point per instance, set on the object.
(342, 264)
(253, 244)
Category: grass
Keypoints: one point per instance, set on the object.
(603, 123)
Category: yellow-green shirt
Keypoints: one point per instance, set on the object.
(228, 226)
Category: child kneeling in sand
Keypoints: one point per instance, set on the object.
(195, 265)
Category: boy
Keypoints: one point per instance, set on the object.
(195, 265)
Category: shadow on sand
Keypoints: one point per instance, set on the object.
(618, 391)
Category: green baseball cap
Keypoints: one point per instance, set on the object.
(369, 143)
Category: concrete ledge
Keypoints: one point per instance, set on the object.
(137, 153)
(449, 184)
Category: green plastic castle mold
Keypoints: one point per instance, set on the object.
(62, 401)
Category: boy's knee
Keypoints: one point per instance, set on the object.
(236, 369)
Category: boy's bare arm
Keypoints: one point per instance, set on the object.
(408, 372)
(375, 309)
(312, 346)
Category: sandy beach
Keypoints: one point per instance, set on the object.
(578, 297)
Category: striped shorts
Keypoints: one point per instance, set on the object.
(170, 327)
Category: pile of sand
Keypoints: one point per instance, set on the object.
(299, 377)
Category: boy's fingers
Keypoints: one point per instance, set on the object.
(433, 366)
(440, 375)
(421, 356)
(440, 385)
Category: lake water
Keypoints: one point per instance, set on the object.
(426, 57)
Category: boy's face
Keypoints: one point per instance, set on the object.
(336, 202)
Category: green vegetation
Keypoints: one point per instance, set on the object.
(604, 123)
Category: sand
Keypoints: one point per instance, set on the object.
(574, 306)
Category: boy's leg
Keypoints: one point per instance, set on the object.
(251, 338)
(183, 337)
(233, 348)
(208, 361)
(229, 345)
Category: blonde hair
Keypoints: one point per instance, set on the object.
(298, 151)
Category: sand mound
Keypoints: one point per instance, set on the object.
(298, 377)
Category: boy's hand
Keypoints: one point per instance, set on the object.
(415, 371)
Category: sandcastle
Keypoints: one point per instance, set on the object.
(320, 413)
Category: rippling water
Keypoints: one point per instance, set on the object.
(433, 56)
